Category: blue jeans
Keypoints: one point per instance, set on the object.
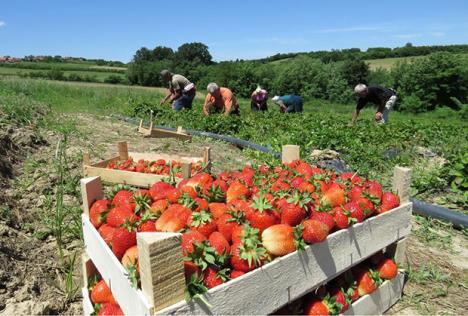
(185, 101)
(294, 108)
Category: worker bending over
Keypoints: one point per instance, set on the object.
(384, 98)
(181, 91)
(289, 103)
(220, 100)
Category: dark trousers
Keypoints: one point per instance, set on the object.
(185, 101)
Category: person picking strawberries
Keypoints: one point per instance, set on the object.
(181, 91)
(384, 98)
(220, 100)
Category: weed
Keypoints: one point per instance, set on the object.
(434, 232)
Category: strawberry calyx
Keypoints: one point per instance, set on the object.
(298, 240)
(200, 218)
(260, 203)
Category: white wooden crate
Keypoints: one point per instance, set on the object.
(88, 308)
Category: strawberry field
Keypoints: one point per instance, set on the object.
(50, 232)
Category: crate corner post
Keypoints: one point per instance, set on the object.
(290, 153)
(91, 190)
(401, 183)
(161, 268)
(123, 150)
(207, 158)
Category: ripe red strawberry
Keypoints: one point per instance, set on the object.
(218, 209)
(341, 218)
(158, 207)
(173, 219)
(367, 282)
(122, 239)
(355, 193)
(159, 190)
(355, 212)
(306, 187)
(305, 169)
(212, 277)
(350, 177)
(314, 231)
(323, 217)
(148, 226)
(334, 196)
(219, 243)
(235, 191)
(236, 274)
(106, 231)
(278, 240)
(387, 269)
(98, 212)
(201, 180)
(102, 294)
(279, 186)
(366, 205)
(202, 222)
(201, 204)
(173, 195)
(188, 239)
(245, 258)
(341, 298)
(130, 257)
(119, 215)
(389, 201)
(292, 214)
(108, 309)
(262, 215)
(297, 181)
(190, 268)
(373, 189)
(123, 197)
(317, 307)
(226, 223)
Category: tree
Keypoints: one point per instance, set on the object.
(143, 54)
(162, 53)
(194, 53)
(355, 70)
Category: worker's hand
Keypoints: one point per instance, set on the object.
(378, 117)
(162, 102)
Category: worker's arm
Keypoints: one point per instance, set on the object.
(228, 104)
(355, 116)
(166, 98)
(282, 106)
(360, 105)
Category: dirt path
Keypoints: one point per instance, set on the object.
(33, 280)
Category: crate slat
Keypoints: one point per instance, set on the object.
(88, 308)
(292, 276)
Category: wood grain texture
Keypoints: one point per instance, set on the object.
(161, 268)
(401, 183)
(274, 284)
(88, 308)
(91, 190)
(290, 153)
(207, 158)
(88, 269)
(380, 300)
(167, 157)
(123, 150)
(132, 301)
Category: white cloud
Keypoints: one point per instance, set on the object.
(351, 29)
(407, 36)
(438, 34)
(2, 23)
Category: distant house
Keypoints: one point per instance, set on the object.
(8, 59)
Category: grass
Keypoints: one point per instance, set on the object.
(66, 66)
(389, 63)
(98, 76)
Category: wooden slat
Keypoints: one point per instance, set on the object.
(398, 252)
(401, 183)
(290, 153)
(91, 190)
(207, 158)
(380, 300)
(88, 269)
(123, 150)
(167, 157)
(132, 301)
(161, 133)
(274, 285)
(186, 170)
(161, 268)
(104, 163)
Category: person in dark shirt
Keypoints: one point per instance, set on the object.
(289, 103)
(382, 97)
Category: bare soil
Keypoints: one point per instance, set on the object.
(31, 276)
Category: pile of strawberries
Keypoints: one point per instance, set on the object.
(160, 166)
(240, 220)
(102, 298)
(336, 297)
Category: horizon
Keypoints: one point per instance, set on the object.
(115, 30)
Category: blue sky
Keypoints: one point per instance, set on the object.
(232, 29)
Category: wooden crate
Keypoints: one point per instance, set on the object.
(138, 178)
(88, 271)
(180, 133)
(260, 291)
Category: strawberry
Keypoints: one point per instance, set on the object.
(292, 214)
(173, 195)
(106, 231)
(341, 217)
(201, 204)
(355, 193)
(314, 231)
(317, 307)
(307, 187)
(122, 239)
(305, 169)
(387, 269)
(334, 196)
(212, 277)
(200, 180)
(202, 222)
(366, 205)
(262, 215)
(227, 222)
(355, 212)
(158, 207)
(218, 209)
(245, 258)
(123, 197)
(173, 219)
(188, 239)
(324, 217)
(108, 309)
(389, 201)
(278, 240)
(342, 300)
(367, 282)
(159, 190)
(373, 189)
(148, 226)
(102, 294)
(279, 186)
(351, 178)
(98, 212)
(130, 257)
(119, 215)
(236, 274)
(236, 191)
(219, 243)
(297, 181)
(190, 268)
